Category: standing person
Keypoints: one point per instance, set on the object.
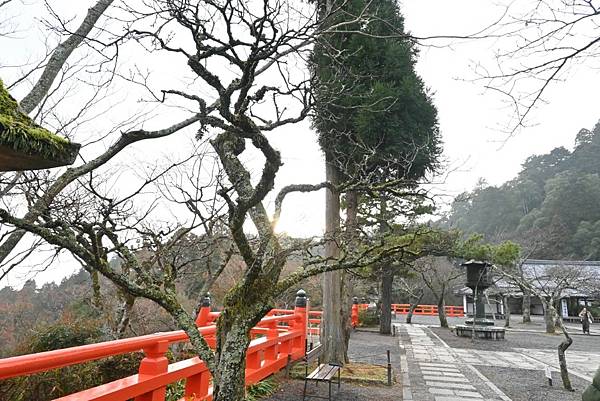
(586, 320)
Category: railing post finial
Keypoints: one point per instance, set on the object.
(301, 299)
(206, 300)
(204, 312)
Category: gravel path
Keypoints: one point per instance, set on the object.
(531, 385)
(517, 339)
(369, 346)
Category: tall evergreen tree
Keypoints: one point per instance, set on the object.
(375, 120)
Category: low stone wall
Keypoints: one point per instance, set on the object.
(482, 332)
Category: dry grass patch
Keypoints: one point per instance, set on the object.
(351, 372)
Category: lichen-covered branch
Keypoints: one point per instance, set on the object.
(60, 56)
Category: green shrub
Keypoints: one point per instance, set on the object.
(265, 388)
(261, 389)
(60, 382)
(368, 318)
(175, 391)
(63, 334)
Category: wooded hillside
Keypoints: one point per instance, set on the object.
(552, 207)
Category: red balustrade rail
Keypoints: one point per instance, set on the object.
(278, 338)
(314, 322)
(402, 309)
(451, 311)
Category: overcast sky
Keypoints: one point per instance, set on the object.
(470, 118)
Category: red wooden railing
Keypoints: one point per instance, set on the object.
(402, 309)
(451, 311)
(280, 337)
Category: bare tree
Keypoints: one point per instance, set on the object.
(538, 42)
(548, 283)
(413, 288)
(38, 96)
(242, 57)
(439, 274)
(60, 55)
(6, 26)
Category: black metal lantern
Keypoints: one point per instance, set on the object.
(478, 280)
(478, 274)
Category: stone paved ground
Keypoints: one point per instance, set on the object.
(433, 372)
(497, 370)
(433, 364)
(536, 325)
(526, 350)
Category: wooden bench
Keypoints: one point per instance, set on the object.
(325, 372)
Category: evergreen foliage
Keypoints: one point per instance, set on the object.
(370, 106)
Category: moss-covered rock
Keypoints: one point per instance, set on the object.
(20, 134)
(592, 393)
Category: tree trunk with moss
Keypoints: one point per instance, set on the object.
(387, 282)
(414, 305)
(526, 306)
(506, 304)
(442, 308)
(233, 339)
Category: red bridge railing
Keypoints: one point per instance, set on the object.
(277, 339)
(402, 309)
(451, 311)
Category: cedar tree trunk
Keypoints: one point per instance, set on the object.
(387, 282)
(332, 334)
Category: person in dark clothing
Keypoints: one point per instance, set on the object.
(586, 320)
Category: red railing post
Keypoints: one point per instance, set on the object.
(253, 360)
(301, 312)
(272, 351)
(153, 364)
(204, 312)
(197, 386)
(354, 312)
